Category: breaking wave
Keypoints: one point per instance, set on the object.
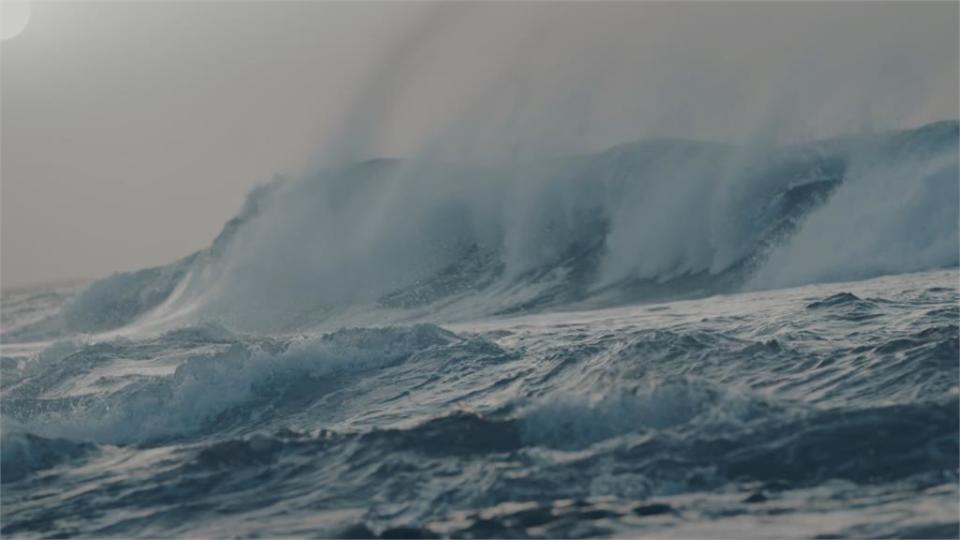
(231, 382)
(405, 240)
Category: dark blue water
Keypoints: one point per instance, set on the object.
(665, 339)
(824, 410)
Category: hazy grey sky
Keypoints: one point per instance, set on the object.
(132, 131)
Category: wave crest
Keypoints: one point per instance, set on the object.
(393, 240)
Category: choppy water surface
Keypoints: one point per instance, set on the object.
(821, 410)
(593, 345)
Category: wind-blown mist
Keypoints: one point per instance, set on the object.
(506, 208)
(395, 240)
(695, 267)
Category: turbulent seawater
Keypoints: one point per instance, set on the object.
(667, 339)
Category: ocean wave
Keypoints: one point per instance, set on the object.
(466, 460)
(214, 390)
(578, 422)
(25, 453)
(598, 422)
(400, 240)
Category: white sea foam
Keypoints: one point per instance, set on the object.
(414, 239)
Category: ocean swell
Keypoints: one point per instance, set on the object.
(405, 240)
